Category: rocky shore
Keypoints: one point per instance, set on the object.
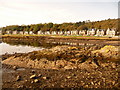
(63, 67)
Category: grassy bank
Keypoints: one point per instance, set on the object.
(72, 37)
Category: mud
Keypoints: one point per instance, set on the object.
(61, 67)
(66, 66)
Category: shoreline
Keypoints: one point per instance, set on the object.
(62, 40)
(66, 37)
(63, 67)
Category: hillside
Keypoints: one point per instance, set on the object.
(104, 24)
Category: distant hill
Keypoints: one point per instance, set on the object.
(104, 24)
(84, 25)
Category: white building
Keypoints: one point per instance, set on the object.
(100, 32)
(39, 32)
(26, 32)
(8, 32)
(31, 32)
(21, 32)
(47, 32)
(75, 32)
(91, 32)
(54, 32)
(110, 32)
(81, 32)
(15, 32)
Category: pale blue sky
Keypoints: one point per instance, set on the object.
(13, 12)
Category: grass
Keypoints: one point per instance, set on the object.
(63, 36)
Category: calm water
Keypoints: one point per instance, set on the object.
(7, 48)
(11, 46)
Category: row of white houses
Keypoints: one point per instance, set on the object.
(90, 32)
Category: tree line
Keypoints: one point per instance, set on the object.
(84, 25)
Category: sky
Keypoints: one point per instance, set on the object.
(19, 12)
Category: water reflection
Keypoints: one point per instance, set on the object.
(7, 48)
(31, 43)
(45, 44)
(23, 46)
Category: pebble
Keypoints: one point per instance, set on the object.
(18, 78)
(92, 83)
(33, 71)
(86, 86)
(45, 78)
(39, 75)
(14, 67)
(33, 76)
(68, 77)
(36, 80)
(32, 81)
(113, 82)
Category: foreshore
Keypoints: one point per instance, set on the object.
(69, 40)
(62, 67)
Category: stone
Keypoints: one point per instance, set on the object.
(39, 75)
(113, 82)
(33, 71)
(18, 78)
(32, 81)
(45, 78)
(68, 67)
(33, 76)
(14, 67)
(68, 77)
(36, 80)
(92, 83)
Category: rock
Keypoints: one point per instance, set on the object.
(108, 51)
(68, 77)
(36, 80)
(20, 86)
(92, 83)
(73, 74)
(33, 71)
(18, 78)
(33, 76)
(113, 82)
(32, 81)
(68, 67)
(45, 78)
(86, 86)
(39, 75)
(14, 67)
(113, 65)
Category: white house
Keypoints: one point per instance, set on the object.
(54, 32)
(61, 33)
(68, 32)
(31, 32)
(100, 32)
(47, 32)
(81, 32)
(15, 32)
(8, 32)
(39, 32)
(21, 32)
(75, 32)
(110, 32)
(91, 32)
(26, 32)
